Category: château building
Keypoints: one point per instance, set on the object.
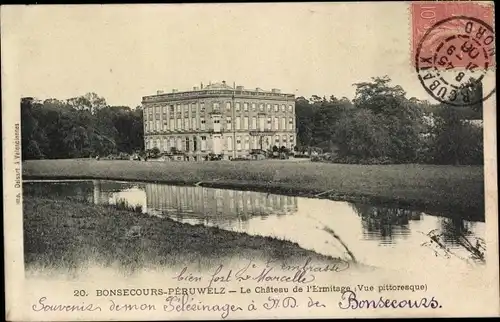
(219, 119)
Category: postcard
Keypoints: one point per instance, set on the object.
(249, 161)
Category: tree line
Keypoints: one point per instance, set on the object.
(379, 126)
(79, 127)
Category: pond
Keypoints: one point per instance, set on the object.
(376, 236)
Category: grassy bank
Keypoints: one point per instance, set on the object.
(64, 234)
(447, 189)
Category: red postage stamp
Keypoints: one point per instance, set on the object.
(435, 22)
(453, 50)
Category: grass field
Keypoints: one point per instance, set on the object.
(64, 234)
(447, 189)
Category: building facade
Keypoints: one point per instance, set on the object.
(219, 119)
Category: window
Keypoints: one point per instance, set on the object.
(261, 107)
(261, 123)
(186, 124)
(215, 106)
(247, 143)
(172, 142)
(193, 123)
(269, 107)
(277, 140)
(164, 109)
(290, 108)
(172, 109)
(202, 107)
(157, 125)
(165, 125)
(202, 121)
(147, 145)
(238, 122)
(187, 143)
(238, 143)
(254, 123)
(203, 143)
(193, 107)
(179, 144)
(276, 123)
(269, 123)
(229, 143)
(245, 107)
(276, 107)
(195, 144)
(253, 107)
(186, 108)
(151, 126)
(228, 106)
(178, 108)
(245, 123)
(283, 123)
(283, 107)
(179, 124)
(283, 139)
(172, 124)
(290, 123)
(237, 107)
(228, 123)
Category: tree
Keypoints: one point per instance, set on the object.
(78, 127)
(454, 139)
(90, 102)
(401, 119)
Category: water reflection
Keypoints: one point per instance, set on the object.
(385, 224)
(217, 207)
(376, 235)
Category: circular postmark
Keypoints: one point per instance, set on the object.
(454, 58)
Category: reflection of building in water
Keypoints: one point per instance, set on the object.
(101, 197)
(198, 204)
(385, 224)
(216, 205)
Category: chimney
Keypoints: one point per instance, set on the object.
(224, 83)
(239, 88)
(159, 92)
(258, 89)
(195, 88)
(201, 85)
(275, 90)
(174, 90)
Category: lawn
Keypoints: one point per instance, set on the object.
(451, 190)
(65, 235)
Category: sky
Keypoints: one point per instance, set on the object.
(124, 52)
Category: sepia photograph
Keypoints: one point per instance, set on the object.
(234, 161)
